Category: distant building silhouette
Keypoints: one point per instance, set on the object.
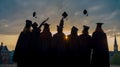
(115, 45)
(115, 55)
(11, 56)
(4, 54)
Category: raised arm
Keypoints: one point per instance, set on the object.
(43, 23)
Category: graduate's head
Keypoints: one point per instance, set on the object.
(85, 29)
(59, 29)
(99, 27)
(74, 30)
(99, 24)
(28, 23)
(27, 27)
(46, 27)
(34, 25)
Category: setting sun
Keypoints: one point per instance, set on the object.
(66, 37)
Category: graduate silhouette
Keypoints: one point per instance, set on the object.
(85, 46)
(100, 56)
(72, 47)
(22, 50)
(58, 42)
(36, 47)
(46, 37)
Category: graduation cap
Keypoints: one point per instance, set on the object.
(85, 12)
(86, 28)
(99, 24)
(64, 14)
(74, 28)
(46, 24)
(34, 14)
(46, 28)
(34, 24)
(28, 23)
(59, 27)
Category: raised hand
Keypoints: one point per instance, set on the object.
(43, 22)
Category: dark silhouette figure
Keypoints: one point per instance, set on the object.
(36, 47)
(46, 37)
(21, 55)
(73, 41)
(85, 44)
(100, 56)
(58, 43)
(72, 47)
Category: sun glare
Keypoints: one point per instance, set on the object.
(66, 37)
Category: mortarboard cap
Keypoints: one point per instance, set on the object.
(34, 24)
(86, 28)
(74, 28)
(64, 14)
(99, 24)
(28, 23)
(85, 12)
(46, 24)
(59, 27)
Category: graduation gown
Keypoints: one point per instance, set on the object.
(85, 47)
(21, 54)
(58, 45)
(100, 56)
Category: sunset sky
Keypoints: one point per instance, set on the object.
(13, 14)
